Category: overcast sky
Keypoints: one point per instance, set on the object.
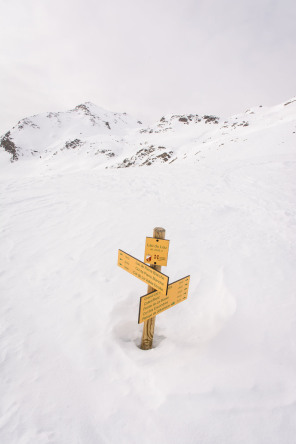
(145, 57)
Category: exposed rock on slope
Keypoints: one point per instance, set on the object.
(7, 143)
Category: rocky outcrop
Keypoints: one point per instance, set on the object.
(147, 156)
(7, 143)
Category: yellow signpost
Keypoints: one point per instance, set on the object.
(154, 303)
(157, 280)
(161, 296)
(156, 251)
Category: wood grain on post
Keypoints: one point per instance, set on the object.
(148, 329)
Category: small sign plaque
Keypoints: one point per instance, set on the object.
(157, 280)
(156, 251)
(154, 303)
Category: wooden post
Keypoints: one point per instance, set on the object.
(148, 329)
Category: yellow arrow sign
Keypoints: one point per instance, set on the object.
(157, 280)
(156, 251)
(154, 303)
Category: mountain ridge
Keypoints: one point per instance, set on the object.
(119, 140)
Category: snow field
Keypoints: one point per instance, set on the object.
(222, 369)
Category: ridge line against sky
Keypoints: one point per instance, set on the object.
(145, 58)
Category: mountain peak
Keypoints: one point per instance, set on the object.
(90, 108)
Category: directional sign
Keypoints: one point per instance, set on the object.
(154, 303)
(156, 251)
(157, 280)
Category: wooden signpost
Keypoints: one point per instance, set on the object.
(160, 294)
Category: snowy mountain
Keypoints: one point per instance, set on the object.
(119, 141)
(222, 369)
(86, 126)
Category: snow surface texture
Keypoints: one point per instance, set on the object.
(222, 369)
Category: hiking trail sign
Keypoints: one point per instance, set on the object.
(157, 280)
(160, 294)
(156, 251)
(154, 303)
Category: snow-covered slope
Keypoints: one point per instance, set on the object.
(191, 136)
(86, 126)
(119, 141)
(223, 365)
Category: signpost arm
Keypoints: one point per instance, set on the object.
(148, 329)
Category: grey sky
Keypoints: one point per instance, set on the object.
(147, 58)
